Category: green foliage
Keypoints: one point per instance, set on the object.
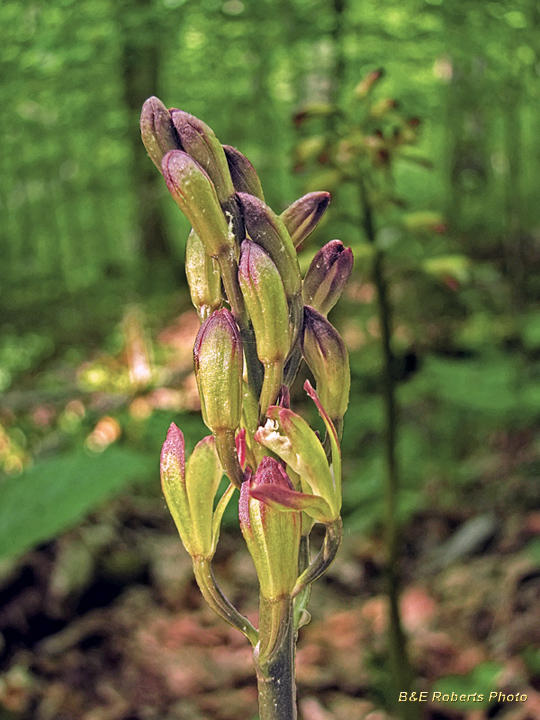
(20, 353)
(482, 680)
(55, 494)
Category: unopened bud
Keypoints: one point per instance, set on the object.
(190, 489)
(203, 276)
(243, 174)
(195, 195)
(327, 357)
(266, 229)
(157, 131)
(272, 535)
(302, 217)
(199, 141)
(266, 303)
(218, 370)
(327, 276)
(203, 476)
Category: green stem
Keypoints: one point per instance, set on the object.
(217, 600)
(276, 669)
(226, 450)
(399, 661)
(301, 615)
(273, 380)
(326, 556)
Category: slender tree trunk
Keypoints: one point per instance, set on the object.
(141, 53)
(399, 661)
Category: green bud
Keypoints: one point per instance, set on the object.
(243, 174)
(264, 297)
(272, 536)
(157, 131)
(302, 217)
(203, 476)
(218, 369)
(203, 276)
(195, 195)
(327, 276)
(327, 358)
(199, 141)
(266, 229)
(190, 491)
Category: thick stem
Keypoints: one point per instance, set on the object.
(276, 671)
(218, 602)
(399, 661)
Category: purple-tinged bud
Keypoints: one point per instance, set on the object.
(218, 369)
(199, 141)
(195, 195)
(327, 357)
(190, 489)
(173, 456)
(157, 131)
(302, 217)
(266, 229)
(203, 276)
(272, 534)
(327, 276)
(243, 174)
(266, 303)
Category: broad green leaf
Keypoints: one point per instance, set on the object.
(56, 494)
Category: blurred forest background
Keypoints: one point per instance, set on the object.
(99, 618)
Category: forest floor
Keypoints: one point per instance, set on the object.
(106, 623)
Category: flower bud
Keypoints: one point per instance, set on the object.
(190, 491)
(244, 177)
(272, 535)
(266, 304)
(157, 131)
(327, 358)
(266, 229)
(203, 276)
(199, 141)
(218, 369)
(327, 276)
(195, 195)
(302, 217)
(203, 475)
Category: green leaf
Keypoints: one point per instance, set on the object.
(478, 684)
(55, 494)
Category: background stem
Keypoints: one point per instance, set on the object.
(400, 668)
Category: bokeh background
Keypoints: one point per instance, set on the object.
(99, 616)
